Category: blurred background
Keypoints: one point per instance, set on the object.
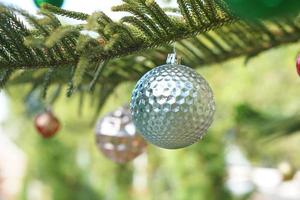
(251, 151)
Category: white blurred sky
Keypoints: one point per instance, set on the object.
(87, 6)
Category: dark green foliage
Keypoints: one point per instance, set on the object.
(253, 9)
(57, 3)
(71, 14)
(260, 134)
(244, 113)
(265, 124)
(5, 74)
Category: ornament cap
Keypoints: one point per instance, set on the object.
(173, 59)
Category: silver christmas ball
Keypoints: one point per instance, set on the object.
(172, 106)
(116, 136)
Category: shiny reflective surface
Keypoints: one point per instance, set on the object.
(116, 136)
(172, 106)
(46, 124)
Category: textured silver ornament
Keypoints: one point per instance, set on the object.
(116, 136)
(172, 106)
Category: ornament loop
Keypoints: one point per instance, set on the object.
(172, 57)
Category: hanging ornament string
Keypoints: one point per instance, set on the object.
(172, 57)
(172, 106)
(46, 123)
(174, 48)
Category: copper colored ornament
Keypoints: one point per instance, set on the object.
(298, 64)
(102, 42)
(46, 124)
(116, 136)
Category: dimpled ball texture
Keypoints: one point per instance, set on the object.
(172, 106)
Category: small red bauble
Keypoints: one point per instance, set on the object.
(46, 124)
(298, 64)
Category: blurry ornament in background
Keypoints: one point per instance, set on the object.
(57, 3)
(117, 138)
(253, 9)
(46, 124)
(298, 64)
(287, 171)
(172, 106)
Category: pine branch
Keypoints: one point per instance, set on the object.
(238, 39)
(122, 39)
(16, 55)
(63, 12)
(265, 124)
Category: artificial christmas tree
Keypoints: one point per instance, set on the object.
(41, 53)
